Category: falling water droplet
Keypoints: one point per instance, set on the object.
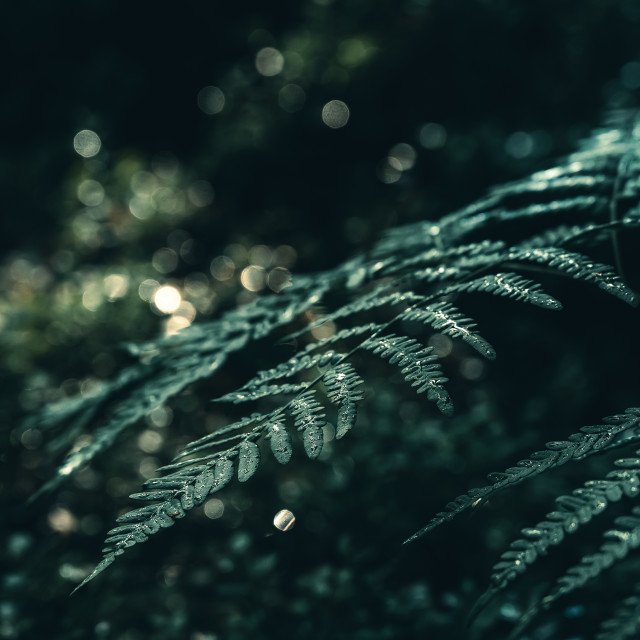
(284, 520)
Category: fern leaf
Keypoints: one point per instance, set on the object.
(145, 388)
(618, 542)
(375, 299)
(438, 257)
(590, 440)
(447, 319)
(248, 460)
(309, 419)
(573, 511)
(286, 369)
(420, 366)
(342, 384)
(212, 439)
(280, 442)
(137, 525)
(252, 393)
(578, 267)
(510, 285)
(344, 334)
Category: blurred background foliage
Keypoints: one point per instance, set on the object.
(162, 163)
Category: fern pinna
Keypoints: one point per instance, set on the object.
(415, 276)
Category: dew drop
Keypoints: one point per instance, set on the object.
(284, 520)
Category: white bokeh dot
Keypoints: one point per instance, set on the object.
(87, 143)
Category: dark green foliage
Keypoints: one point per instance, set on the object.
(546, 224)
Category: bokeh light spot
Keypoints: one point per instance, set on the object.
(87, 143)
(442, 345)
(253, 278)
(260, 255)
(116, 286)
(167, 299)
(278, 279)
(222, 268)
(211, 100)
(390, 170)
(90, 193)
(291, 98)
(147, 289)
(269, 61)
(213, 508)
(160, 417)
(519, 145)
(200, 193)
(92, 297)
(284, 255)
(432, 135)
(352, 52)
(335, 114)
(60, 519)
(164, 260)
(150, 441)
(405, 155)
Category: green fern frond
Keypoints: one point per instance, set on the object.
(578, 267)
(618, 542)
(447, 319)
(419, 366)
(345, 334)
(342, 384)
(375, 299)
(573, 511)
(252, 393)
(414, 273)
(309, 419)
(590, 440)
(212, 440)
(287, 369)
(136, 526)
(248, 460)
(510, 285)
(280, 442)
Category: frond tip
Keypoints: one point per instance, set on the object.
(419, 366)
(342, 384)
(588, 441)
(191, 489)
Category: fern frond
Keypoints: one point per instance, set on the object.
(286, 369)
(419, 366)
(344, 334)
(578, 267)
(590, 440)
(437, 257)
(248, 460)
(618, 542)
(280, 442)
(309, 419)
(509, 285)
(342, 384)
(375, 299)
(447, 319)
(136, 526)
(211, 439)
(262, 391)
(144, 388)
(573, 511)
